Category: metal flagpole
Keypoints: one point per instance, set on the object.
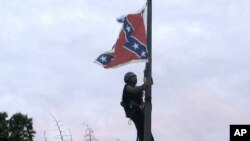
(147, 73)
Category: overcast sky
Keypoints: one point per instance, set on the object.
(201, 67)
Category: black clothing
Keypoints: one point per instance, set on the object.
(132, 102)
(130, 96)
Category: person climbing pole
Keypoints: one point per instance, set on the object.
(132, 101)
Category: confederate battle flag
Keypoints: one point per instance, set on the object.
(131, 45)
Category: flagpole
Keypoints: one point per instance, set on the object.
(148, 73)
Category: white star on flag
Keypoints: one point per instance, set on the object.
(128, 28)
(143, 53)
(103, 58)
(135, 46)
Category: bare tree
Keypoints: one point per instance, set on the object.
(58, 128)
(44, 134)
(62, 136)
(89, 134)
(71, 139)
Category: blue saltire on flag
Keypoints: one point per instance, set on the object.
(130, 45)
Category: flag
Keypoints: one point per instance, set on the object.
(131, 45)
